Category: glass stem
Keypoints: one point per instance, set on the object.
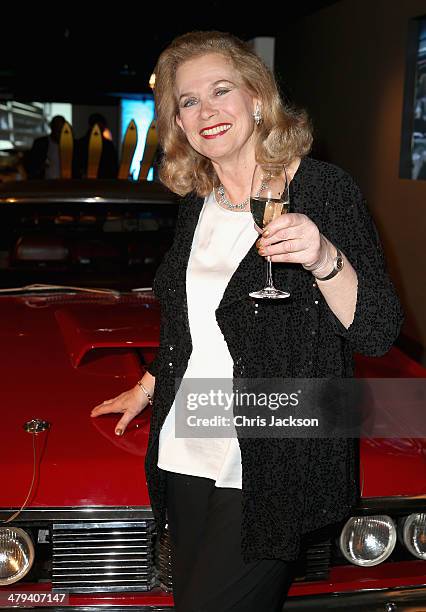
(269, 282)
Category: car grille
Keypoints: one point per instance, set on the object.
(313, 564)
(164, 561)
(103, 557)
(316, 561)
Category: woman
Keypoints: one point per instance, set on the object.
(238, 510)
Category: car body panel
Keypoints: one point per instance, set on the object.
(62, 360)
(66, 354)
(392, 466)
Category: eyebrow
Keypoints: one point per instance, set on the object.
(212, 85)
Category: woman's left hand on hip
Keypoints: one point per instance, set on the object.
(292, 237)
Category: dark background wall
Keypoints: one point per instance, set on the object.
(346, 65)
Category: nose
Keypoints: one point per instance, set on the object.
(207, 109)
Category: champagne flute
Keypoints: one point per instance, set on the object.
(269, 198)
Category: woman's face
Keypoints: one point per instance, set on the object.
(215, 111)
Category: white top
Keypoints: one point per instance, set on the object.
(221, 240)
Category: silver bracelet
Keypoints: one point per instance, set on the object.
(149, 396)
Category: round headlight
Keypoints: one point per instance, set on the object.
(16, 554)
(414, 534)
(368, 540)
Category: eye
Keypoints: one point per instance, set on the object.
(222, 91)
(190, 100)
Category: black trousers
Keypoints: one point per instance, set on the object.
(209, 574)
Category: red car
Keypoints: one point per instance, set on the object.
(79, 324)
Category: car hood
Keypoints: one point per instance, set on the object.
(61, 356)
(392, 466)
(64, 354)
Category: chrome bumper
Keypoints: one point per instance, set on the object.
(410, 599)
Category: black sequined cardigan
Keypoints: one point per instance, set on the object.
(290, 487)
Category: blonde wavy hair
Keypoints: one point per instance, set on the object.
(283, 134)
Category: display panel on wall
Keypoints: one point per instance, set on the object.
(141, 111)
(413, 137)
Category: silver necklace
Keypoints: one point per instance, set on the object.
(223, 200)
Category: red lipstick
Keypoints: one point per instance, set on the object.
(208, 136)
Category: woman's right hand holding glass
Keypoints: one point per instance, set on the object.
(130, 403)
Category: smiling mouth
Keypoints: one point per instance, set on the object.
(217, 130)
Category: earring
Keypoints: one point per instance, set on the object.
(257, 115)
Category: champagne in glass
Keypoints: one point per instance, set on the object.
(269, 199)
(264, 210)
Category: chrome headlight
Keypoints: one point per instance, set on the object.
(16, 554)
(414, 534)
(368, 540)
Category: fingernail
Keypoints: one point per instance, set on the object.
(261, 251)
(265, 233)
(119, 432)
